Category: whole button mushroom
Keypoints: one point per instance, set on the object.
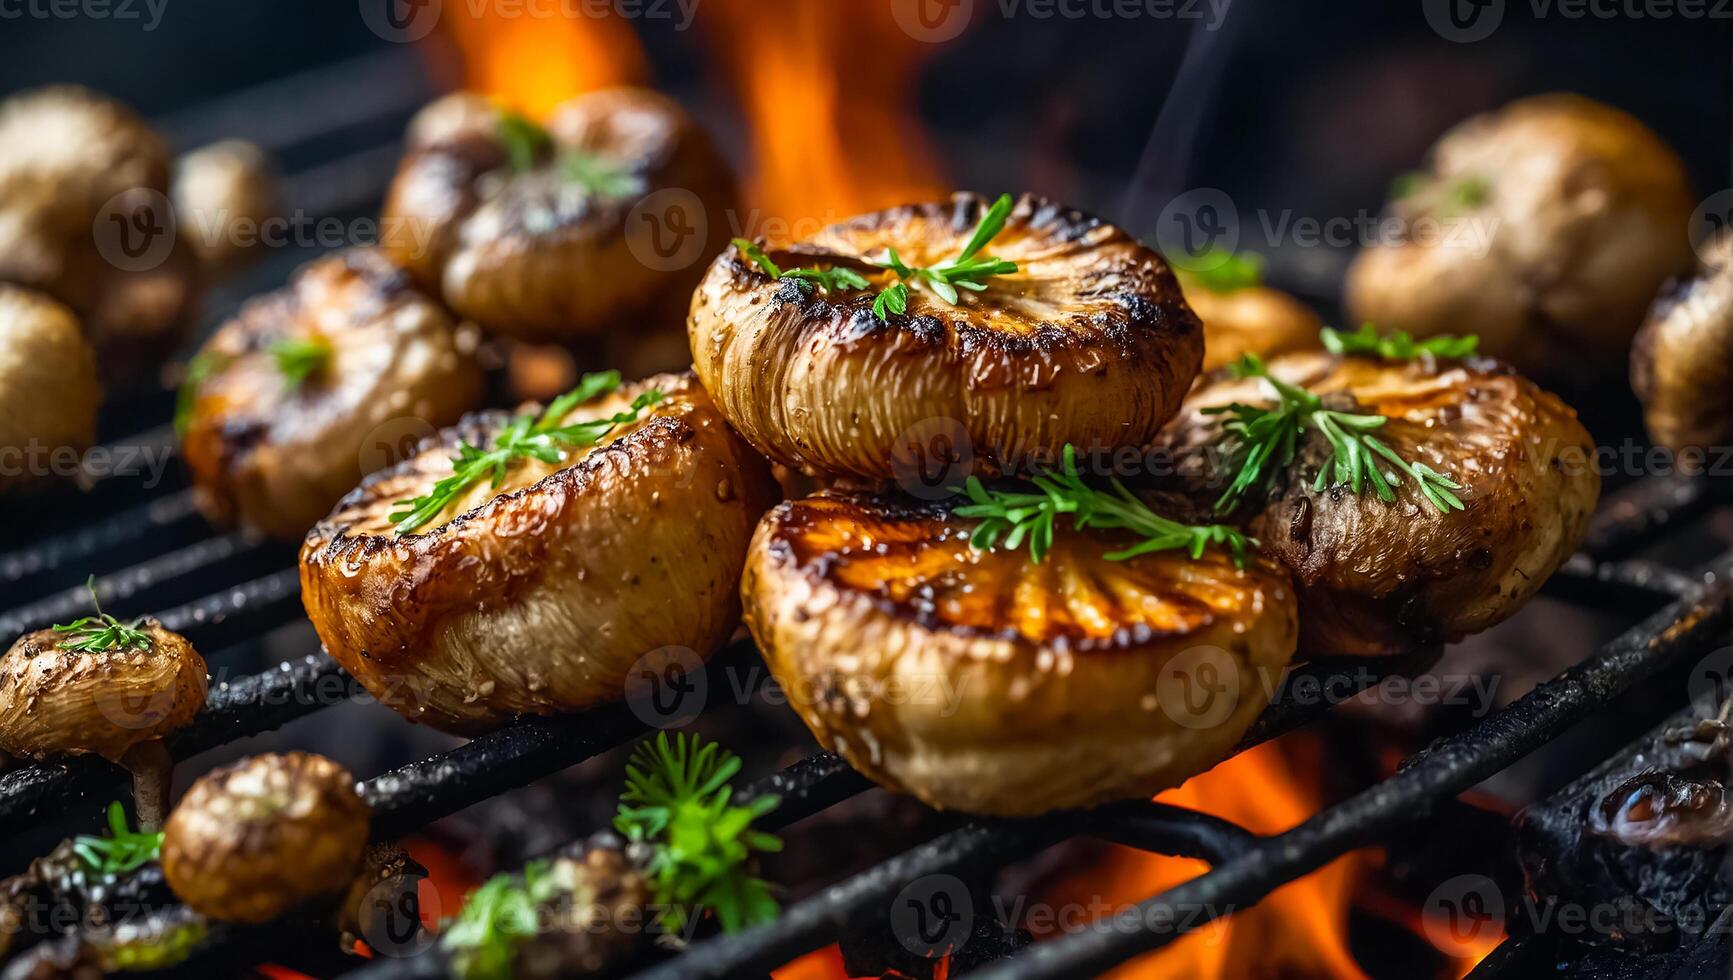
(103, 687)
(222, 194)
(48, 387)
(254, 839)
(1682, 361)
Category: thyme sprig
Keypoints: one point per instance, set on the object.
(527, 436)
(527, 142)
(1262, 440)
(123, 850)
(677, 798)
(809, 277)
(967, 270)
(101, 632)
(1010, 518)
(483, 939)
(524, 139)
(299, 358)
(1397, 346)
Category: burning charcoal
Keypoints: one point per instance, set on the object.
(1644, 838)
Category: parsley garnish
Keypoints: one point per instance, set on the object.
(123, 850)
(1221, 271)
(602, 176)
(95, 634)
(1397, 346)
(484, 937)
(542, 438)
(1458, 195)
(677, 798)
(808, 277)
(524, 139)
(199, 370)
(1016, 516)
(1261, 440)
(299, 358)
(969, 270)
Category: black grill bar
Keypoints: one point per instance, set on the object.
(1437, 774)
(172, 518)
(1634, 516)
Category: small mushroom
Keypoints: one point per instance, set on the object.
(257, 838)
(222, 194)
(1682, 361)
(48, 388)
(100, 686)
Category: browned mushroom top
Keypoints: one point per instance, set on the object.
(1682, 361)
(256, 838)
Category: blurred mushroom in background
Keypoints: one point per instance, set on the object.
(222, 194)
(1682, 361)
(48, 388)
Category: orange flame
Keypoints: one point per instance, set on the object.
(535, 55)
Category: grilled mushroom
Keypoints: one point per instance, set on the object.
(536, 594)
(73, 162)
(525, 230)
(1087, 342)
(1547, 225)
(1379, 577)
(1682, 361)
(980, 681)
(1248, 319)
(48, 388)
(99, 686)
(256, 838)
(311, 387)
(223, 193)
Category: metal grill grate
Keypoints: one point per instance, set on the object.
(151, 548)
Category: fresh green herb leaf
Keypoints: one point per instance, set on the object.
(524, 139)
(757, 257)
(1408, 184)
(1221, 271)
(967, 270)
(123, 850)
(808, 277)
(1396, 346)
(483, 939)
(677, 798)
(1262, 440)
(602, 176)
(199, 370)
(1466, 194)
(527, 436)
(95, 634)
(299, 358)
(1010, 518)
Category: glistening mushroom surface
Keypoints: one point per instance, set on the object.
(1089, 342)
(980, 681)
(48, 388)
(1682, 361)
(539, 595)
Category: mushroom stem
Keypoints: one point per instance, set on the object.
(151, 768)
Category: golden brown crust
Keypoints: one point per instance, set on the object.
(1089, 342)
(1249, 320)
(1585, 215)
(537, 255)
(259, 837)
(1387, 578)
(982, 682)
(48, 387)
(56, 702)
(276, 457)
(1682, 360)
(537, 597)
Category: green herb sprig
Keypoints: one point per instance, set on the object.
(299, 358)
(199, 370)
(527, 436)
(1262, 440)
(524, 139)
(1397, 346)
(1456, 196)
(967, 270)
(1221, 271)
(602, 176)
(1011, 518)
(678, 799)
(484, 937)
(101, 632)
(809, 277)
(527, 142)
(123, 850)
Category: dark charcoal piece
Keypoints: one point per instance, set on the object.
(1641, 843)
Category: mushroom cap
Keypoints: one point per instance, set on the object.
(979, 681)
(56, 702)
(1249, 320)
(1089, 342)
(276, 457)
(540, 256)
(537, 596)
(48, 388)
(1682, 360)
(222, 194)
(1585, 215)
(258, 837)
(1389, 578)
